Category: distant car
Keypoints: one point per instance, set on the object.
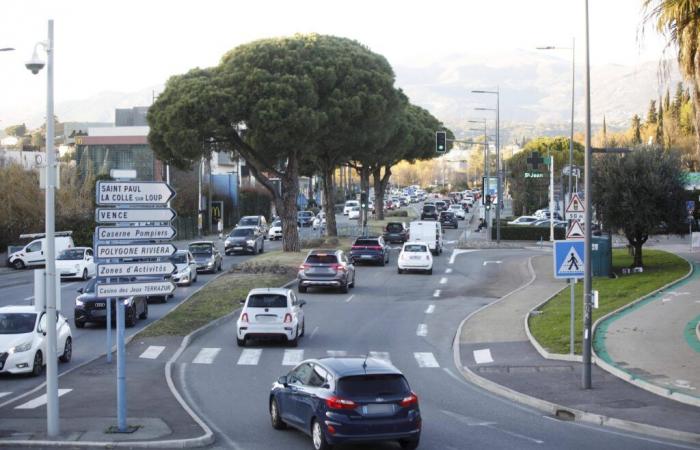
(271, 313)
(90, 309)
(396, 232)
(441, 205)
(430, 212)
(415, 256)
(254, 221)
(349, 205)
(23, 341)
(545, 223)
(244, 240)
(207, 256)
(354, 213)
(369, 249)
(305, 218)
(319, 221)
(275, 231)
(78, 262)
(347, 400)
(448, 219)
(185, 268)
(326, 268)
(458, 211)
(523, 220)
(389, 205)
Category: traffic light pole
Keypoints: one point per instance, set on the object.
(587, 279)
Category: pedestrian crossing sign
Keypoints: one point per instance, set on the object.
(568, 259)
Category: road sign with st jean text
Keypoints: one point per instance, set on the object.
(133, 193)
(568, 258)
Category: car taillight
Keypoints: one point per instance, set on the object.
(244, 317)
(287, 318)
(338, 267)
(427, 257)
(375, 247)
(305, 266)
(339, 403)
(410, 400)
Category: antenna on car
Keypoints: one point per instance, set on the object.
(364, 363)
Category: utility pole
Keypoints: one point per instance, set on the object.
(587, 279)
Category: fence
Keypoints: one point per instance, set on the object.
(186, 227)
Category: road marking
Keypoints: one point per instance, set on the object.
(443, 280)
(436, 294)
(483, 356)
(29, 298)
(466, 420)
(666, 299)
(347, 300)
(336, 353)
(4, 394)
(422, 330)
(491, 262)
(207, 355)
(41, 400)
(313, 333)
(68, 284)
(292, 357)
(430, 309)
(152, 352)
(448, 270)
(249, 357)
(384, 356)
(456, 252)
(425, 359)
(518, 435)
(450, 242)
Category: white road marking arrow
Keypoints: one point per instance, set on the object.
(491, 262)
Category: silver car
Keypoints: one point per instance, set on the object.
(206, 255)
(326, 268)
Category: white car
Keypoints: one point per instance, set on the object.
(524, 220)
(77, 262)
(23, 343)
(185, 268)
(458, 211)
(415, 256)
(354, 213)
(349, 205)
(275, 231)
(319, 221)
(32, 254)
(269, 313)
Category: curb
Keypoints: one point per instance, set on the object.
(697, 331)
(553, 408)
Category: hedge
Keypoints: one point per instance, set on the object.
(527, 233)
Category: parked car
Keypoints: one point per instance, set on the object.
(448, 219)
(76, 262)
(245, 240)
(275, 231)
(90, 309)
(326, 268)
(369, 249)
(430, 211)
(545, 223)
(254, 221)
(207, 256)
(396, 232)
(415, 256)
(458, 211)
(349, 205)
(23, 341)
(271, 313)
(305, 218)
(345, 400)
(523, 220)
(354, 213)
(32, 254)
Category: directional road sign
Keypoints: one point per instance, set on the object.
(135, 269)
(133, 193)
(134, 289)
(575, 231)
(135, 251)
(134, 233)
(115, 215)
(568, 259)
(575, 209)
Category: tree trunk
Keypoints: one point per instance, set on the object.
(378, 194)
(364, 188)
(329, 202)
(696, 103)
(287, 207)
(637, 255)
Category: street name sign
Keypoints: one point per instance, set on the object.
(534, 175)
(116, 215)
(135, 251)
(135, 269)
(133, 193)
(134, 233)
(575, 209)
(568, 259)
(134, 289)
(575, 231)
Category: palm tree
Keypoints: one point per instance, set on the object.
(679, 22)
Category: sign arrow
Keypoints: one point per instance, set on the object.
(135, 251)
(135, 233)
(135, 269)
(133, 193)
(116, 215)
(134, 289)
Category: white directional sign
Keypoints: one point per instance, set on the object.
(134, 289)
(114, 215)
(134, 233)
(575, 231)
(133, 193)
(135, 251)
(575, 209)
(135, 269)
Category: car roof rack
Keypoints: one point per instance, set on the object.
(43, 235)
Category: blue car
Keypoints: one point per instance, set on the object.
(348, 399)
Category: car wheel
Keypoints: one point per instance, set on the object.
(85, 274)
(399, 270)
(430, 271)
(18, 264)
(67, 351)
(318, 438)
(240, 342)
(383, 263)
(144, 314)
(294, 342)
(38, 364)
(262, 248)
(79, 324)
(275, 418)
(164, 299)
(302, 289)
(130, 319)
(344, 288)
(409, 444)
(352, 285)
(303, 328)
(219, 269)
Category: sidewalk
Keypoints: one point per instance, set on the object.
(495, 353)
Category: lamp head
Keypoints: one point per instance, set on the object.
(35, 64)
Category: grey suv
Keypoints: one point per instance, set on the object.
(245, 240)
(326, 268)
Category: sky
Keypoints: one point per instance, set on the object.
(129, 45)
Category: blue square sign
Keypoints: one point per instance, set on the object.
(568, 259)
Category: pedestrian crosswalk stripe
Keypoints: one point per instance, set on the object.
(384, 356)
(152, 352)
(4, 394)
(249, 357)
(292, 357)
(422, 330)
(425, 359)
(336, 353)
(206, 356)
(430, 309)
(41, 400)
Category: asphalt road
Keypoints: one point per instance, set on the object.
(410, 319)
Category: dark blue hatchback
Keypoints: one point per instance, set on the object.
(349, 399)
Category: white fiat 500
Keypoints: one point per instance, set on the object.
(23, 340)
(76, 262)
(271, 313)
(415, 256)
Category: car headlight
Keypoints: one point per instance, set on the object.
(250, 242)
(227, 242)
(79, 302)
(77, 267)
(21, 348)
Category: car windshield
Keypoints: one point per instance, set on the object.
(201, 249)
(267, 301)
(446, 215)
(90, 286)
(71, 254)
(455, 207)
(277, 223)
(429, 208)
(248, 221)
(355, 208)
(415, 248)
(305, 214)
(242, 232)
(178, 258)
(321, 259)
(372, 242)
(394, 228)
(352, 203)
(372, 385)
(17, 323)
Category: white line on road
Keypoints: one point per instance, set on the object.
(443, 280)
(422, 330)
(491, 262)
(336, 353)
(152, 352)
(466, 420)
(430, 309)
(41, 400)
(4, 394)
(313, 333)
(483, 356)
(456, 252)
(29, 298)
(384, 356)
(68, 284)
(448, 270)
(250, 357)
(207, 355)
(436, 294)
(347, 300)
(425, 359)
(518, 435)
(292, 357)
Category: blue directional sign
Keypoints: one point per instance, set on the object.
(568, 259)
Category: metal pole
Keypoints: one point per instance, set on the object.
(551, 197)
(487, 170)
(209, 197)
(121, 367)
(499, 195)
(572, 312)
(587, 279)
(573, 84)
(199, 198)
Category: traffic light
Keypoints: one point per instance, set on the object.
(363, 199)
(440, 141)
(487, 203)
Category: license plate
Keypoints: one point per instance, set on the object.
(415, 257)
(378, 409)
(100, 305)
(266, 318)
(237, 248)
(366, 256)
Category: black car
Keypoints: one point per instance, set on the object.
(245, 240)
(305, 218)
(369, 249)
(396, 232)
(349, 399)
(429, 212)
(448, 219)
(89, 308)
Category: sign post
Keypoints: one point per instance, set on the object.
(690, 207)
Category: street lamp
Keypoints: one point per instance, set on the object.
(499, 196)
(35, 64)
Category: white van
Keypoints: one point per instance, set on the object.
(429, 232)
(33, 253)
(349, 205)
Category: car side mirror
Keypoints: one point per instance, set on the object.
(80, 290)
(302, 302)
(326, 386)
(242, 301)
(283, 380)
